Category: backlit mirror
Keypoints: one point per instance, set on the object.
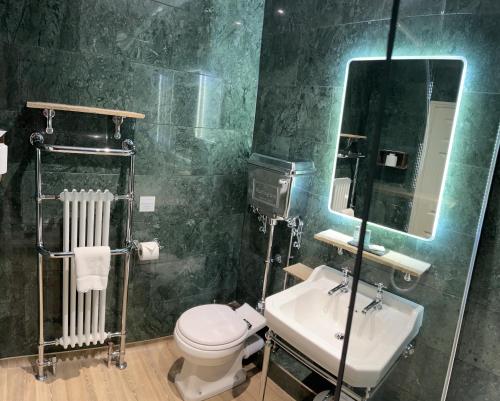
(416, 136)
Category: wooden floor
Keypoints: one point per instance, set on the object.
(84, 376)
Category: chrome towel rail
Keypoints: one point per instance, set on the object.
(59, 255)
(128, 149)
(43, 197)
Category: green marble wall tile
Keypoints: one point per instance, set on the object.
(151, 32)
(45, 24)
(477, 7)
(421, 376)
(328, 41)
(326, 51)
(283, 120)
(279, 60)
(158, 143)
(238, 105)
(197, 100)
(210, 151)
(10, 93)
(146, 56)
(470, 124)
(479, 347)
(152, 91)
(467, 35)
(470, 383)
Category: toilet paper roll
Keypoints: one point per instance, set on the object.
(149, 250)
(3, 158)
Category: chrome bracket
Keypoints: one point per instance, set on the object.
(52, 363)
(113, 356)
(263, 219)
(49, 114)
(36, 139)
(409, 350)
(127, 144)
(160, 246)
(118, 121)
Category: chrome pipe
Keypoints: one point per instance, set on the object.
(313, 366)
(289, 255)
(43, 197)
(268, 262)
(265, 365)
(69, 254)
(86, 151)
(128, 238)
(41, 375)
(58, 342)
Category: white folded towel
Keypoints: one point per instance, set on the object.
(92, 267)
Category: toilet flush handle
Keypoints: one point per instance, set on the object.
(248, 323)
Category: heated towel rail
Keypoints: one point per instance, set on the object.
(128, 150)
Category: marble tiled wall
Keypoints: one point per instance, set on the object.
(304, 55)
(192, 67)
(476, 372)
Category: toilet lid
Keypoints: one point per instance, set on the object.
(212, 325)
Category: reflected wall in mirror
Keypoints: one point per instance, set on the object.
(416, 135)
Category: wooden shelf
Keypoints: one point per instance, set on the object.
(299, 271)
(83, 109)
(353, 136)
(391, 259)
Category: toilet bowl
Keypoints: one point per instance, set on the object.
(213, 340)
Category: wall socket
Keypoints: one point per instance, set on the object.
(147, 203)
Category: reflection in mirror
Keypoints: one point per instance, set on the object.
(416, 135)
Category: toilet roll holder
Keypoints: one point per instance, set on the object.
(135, 244)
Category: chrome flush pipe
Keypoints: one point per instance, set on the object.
(261, 304)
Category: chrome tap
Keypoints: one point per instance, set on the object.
(343, 287)
(377, 302)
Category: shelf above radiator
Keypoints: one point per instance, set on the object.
(83, 109)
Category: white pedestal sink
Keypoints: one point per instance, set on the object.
(313, 322)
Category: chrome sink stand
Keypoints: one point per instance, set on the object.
(273, 342)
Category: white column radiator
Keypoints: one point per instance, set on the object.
(340, 196)
(85, 223)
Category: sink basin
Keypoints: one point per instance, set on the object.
(313, 322)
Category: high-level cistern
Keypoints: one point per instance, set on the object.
(377, 302)
(343, 287)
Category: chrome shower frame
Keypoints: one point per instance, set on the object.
(128, 150)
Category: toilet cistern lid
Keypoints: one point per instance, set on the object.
(212, 324)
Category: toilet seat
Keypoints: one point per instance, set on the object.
(211, 327)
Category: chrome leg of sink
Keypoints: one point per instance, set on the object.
(265, 366)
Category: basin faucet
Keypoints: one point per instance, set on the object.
(377, 302)
(343, 287)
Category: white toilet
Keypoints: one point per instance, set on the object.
(214, 339)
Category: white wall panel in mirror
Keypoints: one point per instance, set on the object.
(416, 137)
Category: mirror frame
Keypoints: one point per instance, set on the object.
(450, 146)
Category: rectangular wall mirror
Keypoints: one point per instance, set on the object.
(416, 137)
